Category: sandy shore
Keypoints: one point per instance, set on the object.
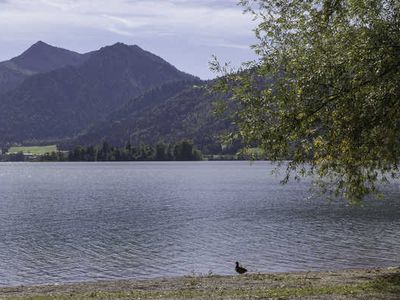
(347, 284)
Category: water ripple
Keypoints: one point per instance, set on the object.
(84, 222)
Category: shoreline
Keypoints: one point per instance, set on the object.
(377, 283)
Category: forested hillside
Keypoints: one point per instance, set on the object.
(169, 113)
(39, 58)
(60, 104)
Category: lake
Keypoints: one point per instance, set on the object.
(72, 222)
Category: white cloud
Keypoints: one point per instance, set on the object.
(182, 17)
(206, 23)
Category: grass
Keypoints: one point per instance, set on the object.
(212, 287)
(35, 150)
(280, 293)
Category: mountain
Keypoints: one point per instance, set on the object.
(168, 113)
(61, 103)
(39, 58)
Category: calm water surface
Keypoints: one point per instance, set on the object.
(69, 222)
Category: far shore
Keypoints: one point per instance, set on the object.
(379, 283)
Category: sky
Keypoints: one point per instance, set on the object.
(184, 32)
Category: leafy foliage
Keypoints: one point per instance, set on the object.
(325, 91)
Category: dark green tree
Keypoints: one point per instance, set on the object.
(16, 157)
(161, 152)
(91, 153)
(4, 149)
(105, 152)
(185, 151)
(78, 154)
(145, 152)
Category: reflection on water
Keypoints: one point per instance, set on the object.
(67, 222)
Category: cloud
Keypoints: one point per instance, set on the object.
(201, 18)
(195, 23)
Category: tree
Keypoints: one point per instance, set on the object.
(91, 153)
(161, 151)
(325, 91)
(185, 151)
(4, 149)
(145, 152)
(16, 156)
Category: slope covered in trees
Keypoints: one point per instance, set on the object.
(39, 58)
(61, 103)
(170, 113)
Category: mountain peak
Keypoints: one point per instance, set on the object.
(42, 57)
(117, 47)
(40, 43)
(38, 48)
(119, 44)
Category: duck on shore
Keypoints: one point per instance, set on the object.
(240, 269)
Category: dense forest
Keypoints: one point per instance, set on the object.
(181, 151)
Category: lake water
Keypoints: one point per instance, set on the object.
(69, 222)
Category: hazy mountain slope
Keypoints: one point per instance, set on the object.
(176, 113)
(42, 57)
(61, 103)
(11, 76)
(39, 58)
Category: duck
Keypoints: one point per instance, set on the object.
(240, 269)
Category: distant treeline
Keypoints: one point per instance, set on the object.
(181, 151)
(13, 157)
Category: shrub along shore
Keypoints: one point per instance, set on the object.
(346, 284)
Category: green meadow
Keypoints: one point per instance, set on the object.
(35, 150)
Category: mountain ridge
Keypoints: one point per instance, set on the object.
(61, 103)
(42, 57)
(39, 58)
